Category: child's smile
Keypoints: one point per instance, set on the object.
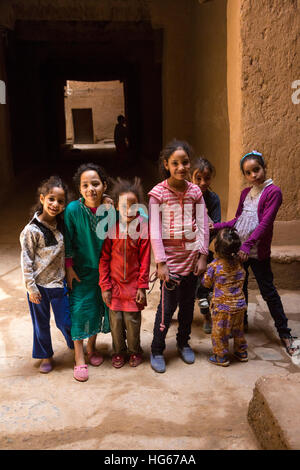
(202, 179)
(126, 200)
(178, 165)
(53, 203)
(91, 188)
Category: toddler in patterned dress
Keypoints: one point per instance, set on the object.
(226, 275)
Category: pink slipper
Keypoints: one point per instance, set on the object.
(95, 359)
(81, 373)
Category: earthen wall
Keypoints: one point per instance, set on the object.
(270, 57)
(106, 100)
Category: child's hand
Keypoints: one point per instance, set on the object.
(211, 226)
(243, 256)
(141, 296)
(201, 265)
(35, 298)
(106, 296)
(71, 275)
(163, 272)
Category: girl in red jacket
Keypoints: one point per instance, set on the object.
(124, 272)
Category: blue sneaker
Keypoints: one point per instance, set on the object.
(187, 354)
(158, 363)
(219, 361)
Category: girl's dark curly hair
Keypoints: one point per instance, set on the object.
(86, 167)
(122, 186)
(227, 244)
(169, 149)
(44, 189)
(201, 164)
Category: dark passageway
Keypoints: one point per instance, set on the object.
(42, 56)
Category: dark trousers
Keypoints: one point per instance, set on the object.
(184, 297)
(40, 315)
(264, 277)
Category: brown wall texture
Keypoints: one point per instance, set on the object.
(270, 63)
(106, 100)
(227, 74)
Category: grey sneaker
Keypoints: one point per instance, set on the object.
(207, 324)
(204, 306)
(187, 354)
(158, 363)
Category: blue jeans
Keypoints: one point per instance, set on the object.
(40, 315)
(183, 296)
(264, 277)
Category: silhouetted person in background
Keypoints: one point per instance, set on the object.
(121, 138)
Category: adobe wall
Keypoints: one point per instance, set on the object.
(106, 100)
(177, 19)
(270, 63)
(227, 77)
(211, 122)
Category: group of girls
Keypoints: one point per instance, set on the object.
(96, 281)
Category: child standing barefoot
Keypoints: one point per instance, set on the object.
(254, 222)
(43, 267)
(124, 273)
(179, 238)
(83, 249)
(202, 174)
(226, 275)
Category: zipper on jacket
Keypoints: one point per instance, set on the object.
(125, 260)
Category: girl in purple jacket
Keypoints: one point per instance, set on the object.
(254, 222)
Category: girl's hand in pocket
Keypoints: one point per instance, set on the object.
(106, 296)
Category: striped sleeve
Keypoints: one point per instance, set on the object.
(202, 225)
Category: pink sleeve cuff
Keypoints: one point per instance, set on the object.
(69, 262)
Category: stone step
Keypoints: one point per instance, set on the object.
(274, 412)
(285, 260)
(286, 266)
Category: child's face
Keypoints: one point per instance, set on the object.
(91, 188)
(202, 179)
(54, 202)
(178, 165)
(126, 200)
(254, 173)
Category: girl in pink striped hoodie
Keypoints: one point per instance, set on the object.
(179, 236)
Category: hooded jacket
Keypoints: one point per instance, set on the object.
(124, 266)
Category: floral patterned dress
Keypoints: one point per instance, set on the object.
(228, 305)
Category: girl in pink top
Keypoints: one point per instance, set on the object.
(179, 237)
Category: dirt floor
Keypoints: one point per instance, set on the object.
(197, 406)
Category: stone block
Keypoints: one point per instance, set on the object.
(274, 412)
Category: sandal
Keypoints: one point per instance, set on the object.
(289, 345)
(135, 360)
(242, 357)
(81, 373)
(95, 358)
(219, 361)
(117, 361)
